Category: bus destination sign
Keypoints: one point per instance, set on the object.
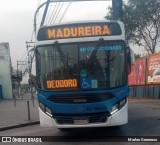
(79, 30)
(70, 83)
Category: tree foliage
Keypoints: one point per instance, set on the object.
(142, 22)
(137, 56)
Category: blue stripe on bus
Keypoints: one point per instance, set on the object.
(95, 107)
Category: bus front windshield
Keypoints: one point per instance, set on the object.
(81, 66)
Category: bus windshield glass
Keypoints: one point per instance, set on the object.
(81, 66)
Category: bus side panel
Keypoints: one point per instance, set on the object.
(45, 120)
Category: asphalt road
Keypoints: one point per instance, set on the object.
(144, 120)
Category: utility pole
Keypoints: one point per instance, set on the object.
(28, 45)
(117, 10)
(19, 75)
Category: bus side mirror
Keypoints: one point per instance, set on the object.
(130, 59)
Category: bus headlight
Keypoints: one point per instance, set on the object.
(122, 103)
(118, 106)
(48, 112)
(45, 109)
(114, 109)
(42, 107)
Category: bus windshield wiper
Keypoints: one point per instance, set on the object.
(95, 50)
(62, 56)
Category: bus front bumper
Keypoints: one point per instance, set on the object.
(118, 118)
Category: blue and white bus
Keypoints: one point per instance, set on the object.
(82, 72)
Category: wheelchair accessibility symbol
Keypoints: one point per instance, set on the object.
(85, 84)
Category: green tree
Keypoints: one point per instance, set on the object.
(137, 56)
(142, 22)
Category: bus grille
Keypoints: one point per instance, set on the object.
(80, 98)
(92, 118)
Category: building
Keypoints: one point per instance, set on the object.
(5, 72)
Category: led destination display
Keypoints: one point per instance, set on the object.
(79, 30)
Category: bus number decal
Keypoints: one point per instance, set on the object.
(69, 83)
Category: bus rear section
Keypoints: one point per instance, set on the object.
(82, 77)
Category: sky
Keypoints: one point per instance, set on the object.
(16, 25)
(16, 21)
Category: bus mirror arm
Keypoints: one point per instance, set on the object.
(130, 59)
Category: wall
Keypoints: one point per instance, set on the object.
(5, 70)
(145, 91)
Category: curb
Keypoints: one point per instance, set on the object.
(19, 125)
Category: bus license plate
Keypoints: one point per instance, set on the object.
(80, 121)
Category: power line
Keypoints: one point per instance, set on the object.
(69, 4)
(55, 12)
(50, 20)
(23, 55)
(58, 12)
(51, 15)
(28, 44)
